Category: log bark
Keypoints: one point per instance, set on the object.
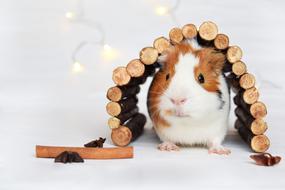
(85, 153)
(121, 76)
(221, 42)
(258, 143)
(148, 55)
(135, 68)
(117, 93)
(227, 67)
(175, 35)
(123, 106)
(189, 31)
(233, 81)
(234, 54)
(239, 68)
(208, 31)
(115, 122)
(123, 135)
(247, 81)
(161, 44)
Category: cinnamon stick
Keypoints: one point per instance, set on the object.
(86, 153)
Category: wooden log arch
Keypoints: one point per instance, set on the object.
(127, 123)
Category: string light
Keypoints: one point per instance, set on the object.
(108, 53)
(165, 10)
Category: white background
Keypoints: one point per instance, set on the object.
(43, 102)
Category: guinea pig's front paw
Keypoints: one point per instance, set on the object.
(168, 146)
(219, 150)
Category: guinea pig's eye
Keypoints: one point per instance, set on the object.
(201, 78)
(167, 77)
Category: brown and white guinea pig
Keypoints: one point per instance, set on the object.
(188, 100)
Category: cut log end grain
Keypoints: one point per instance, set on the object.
(208, 31)
(114, 94)
(239, 68)
(114, 123)
(121, 76)
(113, 108)
(176, 35)
(260, 143)
(121, 136)
(258, 110)
(234, 54)
(135, 68)
(221, 41)
(258, 126)
(161, 44)
(247, 81)
(148, 55)
(189, 31)
(250, 95)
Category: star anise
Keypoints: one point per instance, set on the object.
(68, 157)
(96, 143)
(265, 159)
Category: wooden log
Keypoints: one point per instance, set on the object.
(247, 81)
(208, 31)
(161, 44)
(135, 68)
(234, 54)
(221, 42)
(123, 135)
(86, 153)
(116, 108)
(121, 76)
(189, 31)
(175, 35)
(148, 55)
(258, 143)
(258, 110)
(246, 97)
(115, 122)
(117, 93)
(256, 126)
(227, 67)
(239, 68)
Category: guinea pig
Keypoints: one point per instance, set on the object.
(189, 98)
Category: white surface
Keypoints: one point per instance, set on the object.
(42, 103)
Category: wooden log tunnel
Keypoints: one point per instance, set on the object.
(127, 123)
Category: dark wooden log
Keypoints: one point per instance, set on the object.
(227, 67)
(121, 76)
(175, 35)
(258, 143)
(123, 135)
(189, 31)
(221, 42)
(233, 81)
(257, 126)
(115, 122)
(123, 106)
(135, 68)
(117, 93)
(246, 97)
(203, 42)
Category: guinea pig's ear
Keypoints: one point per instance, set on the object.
(217, 62)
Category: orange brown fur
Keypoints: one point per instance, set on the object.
(211, 64)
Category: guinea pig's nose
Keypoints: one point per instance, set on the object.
(178, 101)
